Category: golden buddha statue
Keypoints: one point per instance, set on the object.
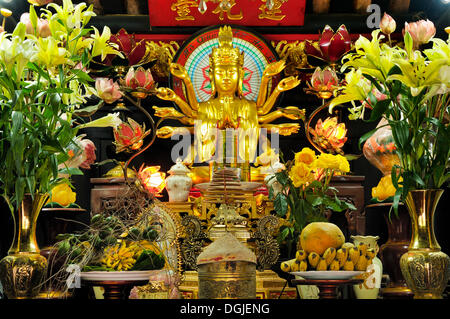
(227, 108)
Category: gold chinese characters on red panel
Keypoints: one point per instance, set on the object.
(238, 12)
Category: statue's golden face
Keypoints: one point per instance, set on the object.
(226, 78)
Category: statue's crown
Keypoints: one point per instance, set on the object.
(226, 53)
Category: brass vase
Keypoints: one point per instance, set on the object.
(23, 270)
(424, 266)
(399, 237)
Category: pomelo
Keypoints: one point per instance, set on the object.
(318, 236)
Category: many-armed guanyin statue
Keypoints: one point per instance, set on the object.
(227, 108)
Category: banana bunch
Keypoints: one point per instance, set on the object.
(120, 256)
(348, 257)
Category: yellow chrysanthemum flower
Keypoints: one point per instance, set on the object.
(306, 156)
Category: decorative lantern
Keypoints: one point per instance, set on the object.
(152, 179)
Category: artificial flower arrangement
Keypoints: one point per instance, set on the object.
(414, 84)
(44, 83)
(302, 192)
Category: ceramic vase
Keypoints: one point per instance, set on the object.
(379, 149)
(23, 270)
(178, 184)
(399, 236)
(425, 267)
(370, 288)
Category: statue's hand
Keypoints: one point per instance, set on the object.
(293, 113)
(288, 83)
(179, 71)
(166, 94)
(164, 132)
(166, 112)
(288, 128)
(274, 68)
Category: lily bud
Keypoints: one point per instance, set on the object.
(25, 19)
(387, 24)
(421, 31)
(43, 28)
(107, 90)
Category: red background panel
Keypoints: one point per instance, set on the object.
(161, 13)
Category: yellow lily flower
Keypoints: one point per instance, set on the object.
(110, 120)
(101, 45)
(418, 74)
(50, 54)
(357, 89)
(371, 57)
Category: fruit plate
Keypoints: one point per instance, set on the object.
(326, 274)
(117, 275)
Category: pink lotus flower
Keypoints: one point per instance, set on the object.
(387, 24)
(139, 79)
(129, 136)
(332, 46)
(323, 82)
(421, 31)
(107, 90)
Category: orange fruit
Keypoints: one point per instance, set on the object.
(318, 236)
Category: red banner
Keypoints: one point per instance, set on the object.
(239, 12)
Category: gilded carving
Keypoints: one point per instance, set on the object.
(273, 13)
(193, 240)
(183, 9)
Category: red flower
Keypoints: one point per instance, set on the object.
(129, 137)
(332, 46)
(134, 51)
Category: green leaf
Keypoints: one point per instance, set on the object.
(379, 110)
(281, 204)
(71, 171)
(33, 17)
(314, 200)
(89, 110)
(82, 75)
(282, 178)
(408, 43)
